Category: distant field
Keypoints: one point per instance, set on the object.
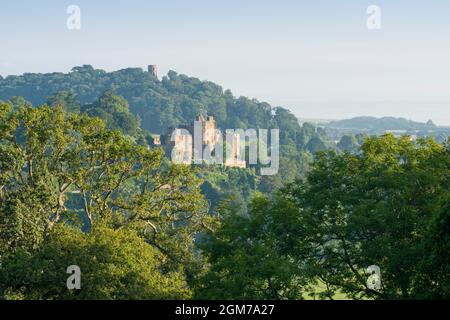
(320, 287)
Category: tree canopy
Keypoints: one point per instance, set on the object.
(81, 185)
(66, 168)
(386, 206)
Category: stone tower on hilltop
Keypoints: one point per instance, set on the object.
(153, 70)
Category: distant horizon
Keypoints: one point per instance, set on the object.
(329, 110)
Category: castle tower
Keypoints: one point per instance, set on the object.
(208, 125)
(209, 131)
(179, 142)
(153, 70)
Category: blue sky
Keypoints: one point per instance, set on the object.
(315, 57)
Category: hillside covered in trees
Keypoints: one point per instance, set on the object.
(76, 193)
(382, 124)
(336, 130)
(137, 103)
(79, 185)
(160, 104)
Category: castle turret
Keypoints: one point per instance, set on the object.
(153, 70)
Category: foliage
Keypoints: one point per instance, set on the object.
(348, 143)
(58, 166)
(80, 185)
(64, 99)
(250, 257)
(175, 100)
(385, 206)
(222, 183)
(114, 110)
(114, 264)
(382, 124)
(377, 208)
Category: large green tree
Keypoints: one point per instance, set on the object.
(113, 264)
(385, 206)
(63, 167)
(114, 110)
(250, 255)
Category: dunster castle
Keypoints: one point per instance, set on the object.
(178, 142)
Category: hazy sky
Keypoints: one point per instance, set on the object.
(314, 57)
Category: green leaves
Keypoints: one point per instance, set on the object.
(386, 206)
(61, 167)
(114, 110)
(374, 208)
(114, 264)
(250, 258)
